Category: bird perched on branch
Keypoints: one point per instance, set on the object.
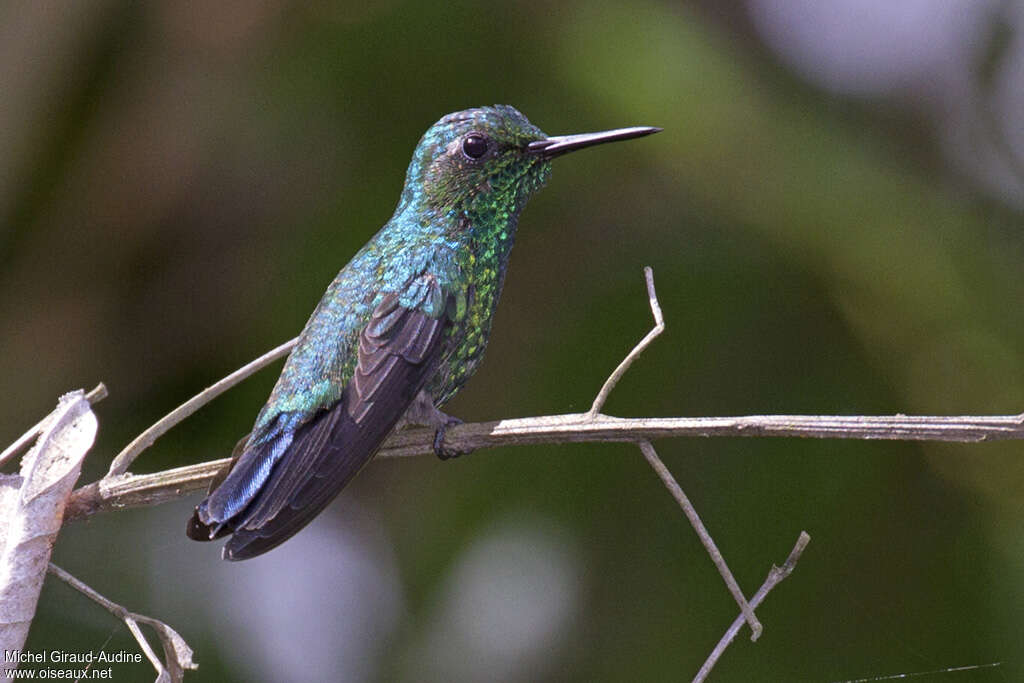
(399, 331)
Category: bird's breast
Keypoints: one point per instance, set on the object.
(483, 276)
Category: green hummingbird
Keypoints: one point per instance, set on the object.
(399, 331)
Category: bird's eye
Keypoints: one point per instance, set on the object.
(474, 146)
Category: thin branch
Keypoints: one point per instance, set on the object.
(177, 653)
(140, 490)
(775, 576)
(93, 397)
(131, 490)
(709, 544)
(144, 440)
(97, 394)
(659, 327)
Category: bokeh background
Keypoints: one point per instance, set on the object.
(834, 217)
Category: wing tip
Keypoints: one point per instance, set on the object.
(245, 545)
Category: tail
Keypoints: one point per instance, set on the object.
(322, 458)
(195, 529)
(278, 485)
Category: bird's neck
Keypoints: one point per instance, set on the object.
(492, 234)
(481, 229)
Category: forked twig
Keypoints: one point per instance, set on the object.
(659, 467)
(775, 576)
(662, 471)
(690, 511)
(177, 653)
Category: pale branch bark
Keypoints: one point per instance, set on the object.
(177, 653)
(141, 490)
(133, 490)
(775, 576)
(709, 543)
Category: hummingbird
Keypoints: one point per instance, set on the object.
(399, 331)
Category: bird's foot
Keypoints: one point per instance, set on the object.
(424, 412)
(444, 452)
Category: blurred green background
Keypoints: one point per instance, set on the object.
(833, 215)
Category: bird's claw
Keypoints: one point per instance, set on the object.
(440, 450)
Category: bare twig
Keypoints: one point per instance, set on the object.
(659, 327)
(177, 653)
(97, 394)
(144, 440)
(128, 490)
(93, 397)
(775, 576)
(709, 544)
(23, 441)
(140, 490)
(659, 467)
(580, 427)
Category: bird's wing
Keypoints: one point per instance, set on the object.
(397, 353)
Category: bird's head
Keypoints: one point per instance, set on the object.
(490, 159)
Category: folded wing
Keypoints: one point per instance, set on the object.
(398, 352)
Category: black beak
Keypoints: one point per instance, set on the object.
(558, 145)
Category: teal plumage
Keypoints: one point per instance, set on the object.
(399, 331)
